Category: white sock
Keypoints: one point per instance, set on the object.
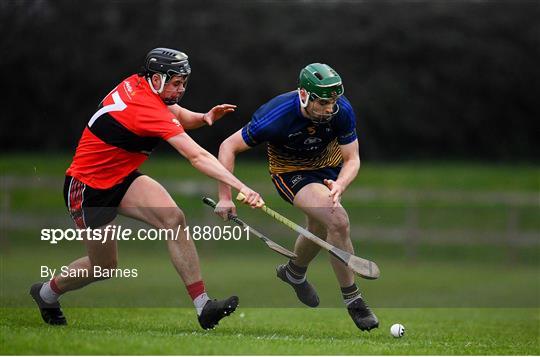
(47, 294)
(294, 280)
(351, 300)
(199, 302)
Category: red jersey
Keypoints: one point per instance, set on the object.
(120, 136)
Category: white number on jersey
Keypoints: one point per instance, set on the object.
(117, 106)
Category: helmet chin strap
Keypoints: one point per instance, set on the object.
(162, 76)
(160, 90)
(302, 103)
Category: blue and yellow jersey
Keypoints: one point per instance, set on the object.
(294, 142)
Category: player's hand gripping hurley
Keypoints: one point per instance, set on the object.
(271, 244)
(363, 267)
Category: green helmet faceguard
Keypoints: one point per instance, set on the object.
(320, 81)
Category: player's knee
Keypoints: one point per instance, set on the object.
(173, 218)
(339, 222)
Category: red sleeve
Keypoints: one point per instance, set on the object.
(158, 122)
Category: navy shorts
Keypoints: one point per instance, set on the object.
(91, 207)
(288, 184)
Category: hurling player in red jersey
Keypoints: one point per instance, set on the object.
(103, 180)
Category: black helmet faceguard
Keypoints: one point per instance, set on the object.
(167, 63)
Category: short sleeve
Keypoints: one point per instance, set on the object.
(345, 126)
(260, 129)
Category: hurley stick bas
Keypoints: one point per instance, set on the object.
(363, 267)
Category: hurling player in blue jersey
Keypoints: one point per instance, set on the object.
(313, 157)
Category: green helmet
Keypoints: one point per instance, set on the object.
(320, 80)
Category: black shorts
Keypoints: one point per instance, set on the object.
(91, 207)
(288, 184)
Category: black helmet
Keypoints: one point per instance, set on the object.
(166, 61)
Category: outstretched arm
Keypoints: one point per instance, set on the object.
(194, 120)
(228, 150)
(206, 163)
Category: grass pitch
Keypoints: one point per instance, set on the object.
(284, 331)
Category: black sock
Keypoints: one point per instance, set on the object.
(295, 271)
(350, 293)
